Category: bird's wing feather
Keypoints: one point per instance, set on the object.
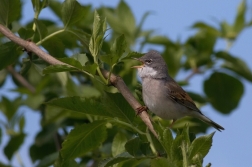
(177, 94)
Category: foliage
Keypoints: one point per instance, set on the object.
(104, 128)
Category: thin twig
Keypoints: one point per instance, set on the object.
(21, 79)
(57, 141)
(114, 80)
(194, 71)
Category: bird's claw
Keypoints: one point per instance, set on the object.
(141, 109)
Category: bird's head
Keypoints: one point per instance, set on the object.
(153, 65)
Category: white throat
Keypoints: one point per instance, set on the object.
(146, 72)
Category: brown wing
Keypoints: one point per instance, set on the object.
(177, 94)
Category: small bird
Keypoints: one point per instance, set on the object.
(162, 95)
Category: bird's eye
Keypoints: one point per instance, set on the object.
(148, 61)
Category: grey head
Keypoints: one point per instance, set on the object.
(153, 66)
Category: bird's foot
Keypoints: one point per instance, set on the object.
(141, 109)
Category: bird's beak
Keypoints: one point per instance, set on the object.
(140, 66)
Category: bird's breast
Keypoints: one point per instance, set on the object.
(155, 97)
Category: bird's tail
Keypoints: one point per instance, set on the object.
(209, 121)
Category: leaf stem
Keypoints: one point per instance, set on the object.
(153, 149)
(185, 159)
(36, 14)
(110, 73)
(101, 75)
(87, 73)
(19, 159)
(128, 125)
(50, 36)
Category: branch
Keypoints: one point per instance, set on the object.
(21, 79)
(29, 46)
(117, 82)
(114, 80)
(194, 71)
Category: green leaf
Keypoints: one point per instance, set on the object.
(235, 64)
(198, 161)
(55, 47)
(133, 55)
(119, 107)
(13, 145)
(239, 23)
(38, 65)
(91, 68)
(140, 25)
(72, 62)
(223, 91)
(119, 158)
(157, 143)
(21, 124)
(118, 144)
(10, 10)
(48, 160)
(184, 148)
(4, 165)
(58, 68)
(72, 12)
(176, 155)
(227, 31)
(159, 40)
(83, 105)
(133, 163)
(80, 35)
(132, 147)
(126, 16)
(9, 108)
(199, 49)
(83, 90)
(41, 29)
(172, 56)
(146, 149)
(185, 134)
(3, 75)
(122, 20)
(26, 65)
(45, 136)
(56, 115)
(201, 145)
(56, 8)
(38, 5)
(44, 144)
(197, 97)
(83, 139)
(167, 141)
(161, 162)
(96, 40)
(119, 46)
(110, 59)
(60, 162)
(207, 27)
(25, 33)
(34, 101)
(82, 58)
(7, 49)
(117, 50)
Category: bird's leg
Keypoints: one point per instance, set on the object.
(173, 121)
(141, 109)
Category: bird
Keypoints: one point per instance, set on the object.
(162, 95)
